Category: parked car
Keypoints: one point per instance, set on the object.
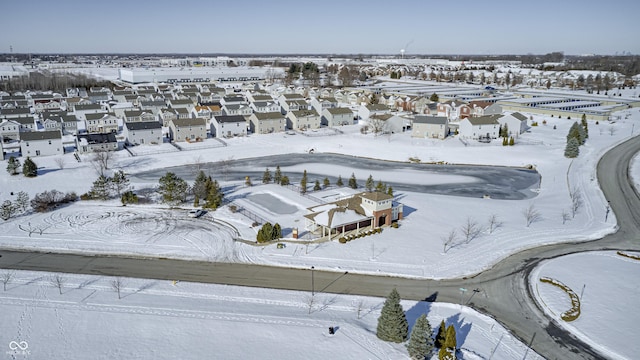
(196, 213)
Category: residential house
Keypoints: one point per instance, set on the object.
(303, 120)
(478, 107)
(319, 104)
(516, 124)
(265, 106)
(70, 102)
(430, 127)
(294, 105)
(120, 95)
(208, 111)
(101, 123)
(480, 128)
(266, 123)
(188, 129)
(337, 116)
(41, 143)
(259, 97)
(237, 109)
(389, 123)
(63, 122)
(15, 113)
(80, 110)
(26, 123)
(152, 105)
(88, 143)
(9, 129)
(181, 104)
(366, 111)
(228, 126)
(47, 105)
(137, 115)
(142, 132)
(167, 115)
(493, 109)
(183, 113)
(233, 99)
(363, 211)
(100, 96)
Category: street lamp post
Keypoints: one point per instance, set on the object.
(462, 291)
(312, 285)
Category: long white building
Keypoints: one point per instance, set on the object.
(196, 74)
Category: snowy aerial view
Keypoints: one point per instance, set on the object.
(257, 194)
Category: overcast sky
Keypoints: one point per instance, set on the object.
(330, 26)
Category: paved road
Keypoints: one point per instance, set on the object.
(504, 288)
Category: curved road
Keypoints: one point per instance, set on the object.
(504, 294)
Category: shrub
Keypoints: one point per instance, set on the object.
(233, 208)
(342, 240)
(574, 312)
(394, 225)
(49, 200)
(535, 123)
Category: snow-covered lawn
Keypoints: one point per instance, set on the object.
(159, 320)
(605, 283)
(415, 249)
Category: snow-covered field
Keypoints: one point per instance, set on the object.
(159, 320)
(195, 321)
(605, 283)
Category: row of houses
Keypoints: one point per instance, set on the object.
(470, 128)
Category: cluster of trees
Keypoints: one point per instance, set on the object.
(29, 168)
(395, 74)
(379, 187)
(8, 209)
(104, 187)
(53, 81)
(577, 136)
(309, 71)
(175, 190)
(269, 232)
(393, 327)
(49, 200)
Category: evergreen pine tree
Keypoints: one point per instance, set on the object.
(276, 232)
(445, 354)
(450, 341)
(573, 148)
(172, 188)
(583, 135)
(585, 126)
(277, 176)
(576, 132)
(390, 191)
(392, 323)
(441, 335)
(100, 188)
(326, 182)
(247, 181)
(339, 181)
(13, 165)
(504, 141)
(285, 180)
(303, 182)
(368, 185)
(353, 183)
(29, 168)
(266, 177)
(215, 196)
(7, 210)
(420, 343)
(317, 186)
(119, 182)
(434, 97)
(512, 141)
(381, 187)
(199, 188)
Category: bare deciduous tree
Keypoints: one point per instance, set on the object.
(494, 223)
(531, 214)
(565, 216)
(449, 240)
(310, 301)
(6, 277)
(359, 306)
(58, 281)
(60, 161)
(470, 230)
(117, 284)
(576, 202)
(100, 161)
(612, 130)
(377, 124)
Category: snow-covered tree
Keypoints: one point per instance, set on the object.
(420, 343)
(22, 201)
(339, 181)
(353, 183)
(101, 188)
(13, 166)
(317, 186)
(199, 188)
(368, 185)
(119, 182)
(172, 188)
(266, 176)
(277, 176)
(303, 182)
(572, 150)
(392, 323)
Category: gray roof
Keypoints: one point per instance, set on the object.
(99, 138)
(292, 96)
(435, 120)
(97, 116)
(377, 107)
(519, 116)
(87, 107)
(143, 125)
(304, 113)
(189, 122)
(15, 111)
(269, 115)
(229, 118)
(339, 110)
(29, 120)
(40, 135)
(485, 120)
(262, 98)
(181, 102)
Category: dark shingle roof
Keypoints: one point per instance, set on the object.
(40, 135)
(436, 120)
(230, 119)
(189, 122)
(143, 125)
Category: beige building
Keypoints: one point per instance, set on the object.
(266, 123)
(430, 127)
(188, 129)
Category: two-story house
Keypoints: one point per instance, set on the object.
(142, 132)
(188, 129)
(303, 120)
(228, 126)
(97, 123)
(41, 143)
(266, 123)
(431, 127)
(337, 116)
